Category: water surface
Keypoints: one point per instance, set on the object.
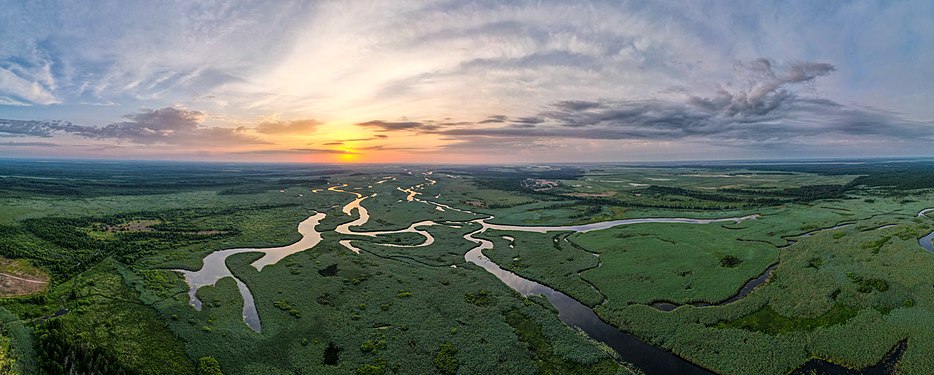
(215, 268)
(648, 358)
(583, 228)
(927, 242)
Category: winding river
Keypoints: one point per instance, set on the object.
(610, 224)
(647, 357)
(924, 212)
(571, 312)
(927, 242)
(364, 217)
(215, 268)
(743, 291)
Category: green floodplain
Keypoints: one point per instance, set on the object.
(845, 280)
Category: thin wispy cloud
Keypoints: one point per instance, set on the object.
(288, 127)
(295, 151)
(28, 144)
(381, 125)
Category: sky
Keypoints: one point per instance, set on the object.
(466, 81)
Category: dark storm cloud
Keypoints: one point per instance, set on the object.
(170, 125)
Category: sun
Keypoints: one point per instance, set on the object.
(348, 156)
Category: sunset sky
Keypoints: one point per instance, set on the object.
(466, 81)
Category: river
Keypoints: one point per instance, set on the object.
(573, 313)
(215, 268)
(648, 358)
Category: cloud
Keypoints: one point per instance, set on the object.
(32, 128)
(288, 127)
(19, 91)
(772, 105)
(394, 148)
(117, 53)
(768, 90)
(152, 126)
(575, 105)
(381, 125)
(28, 79)
(486, 145)
(295, 151)
(550, 69)
(531, 120)
(345, 141)
(768, 109)
(373, 138)
(28, 144)
(168, 126)
(495, 119)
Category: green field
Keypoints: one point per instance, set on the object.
(387, 310)
(850, 280)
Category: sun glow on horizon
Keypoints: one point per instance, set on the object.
(349, 156)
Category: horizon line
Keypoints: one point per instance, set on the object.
(652, 162)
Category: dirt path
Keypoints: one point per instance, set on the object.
(22, 279)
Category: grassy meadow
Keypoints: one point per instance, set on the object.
(114, 304)
(850, 281)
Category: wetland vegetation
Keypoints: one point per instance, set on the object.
(90, 251)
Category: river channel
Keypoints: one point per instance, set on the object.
(651, 359)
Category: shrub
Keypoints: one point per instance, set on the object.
(816, 263)
(378, 342)
(866, 285)
(876, 245)
(446, 359)
(729, 261)
(209, 366)
(287, 307)
(377, 368)
(481, 298)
